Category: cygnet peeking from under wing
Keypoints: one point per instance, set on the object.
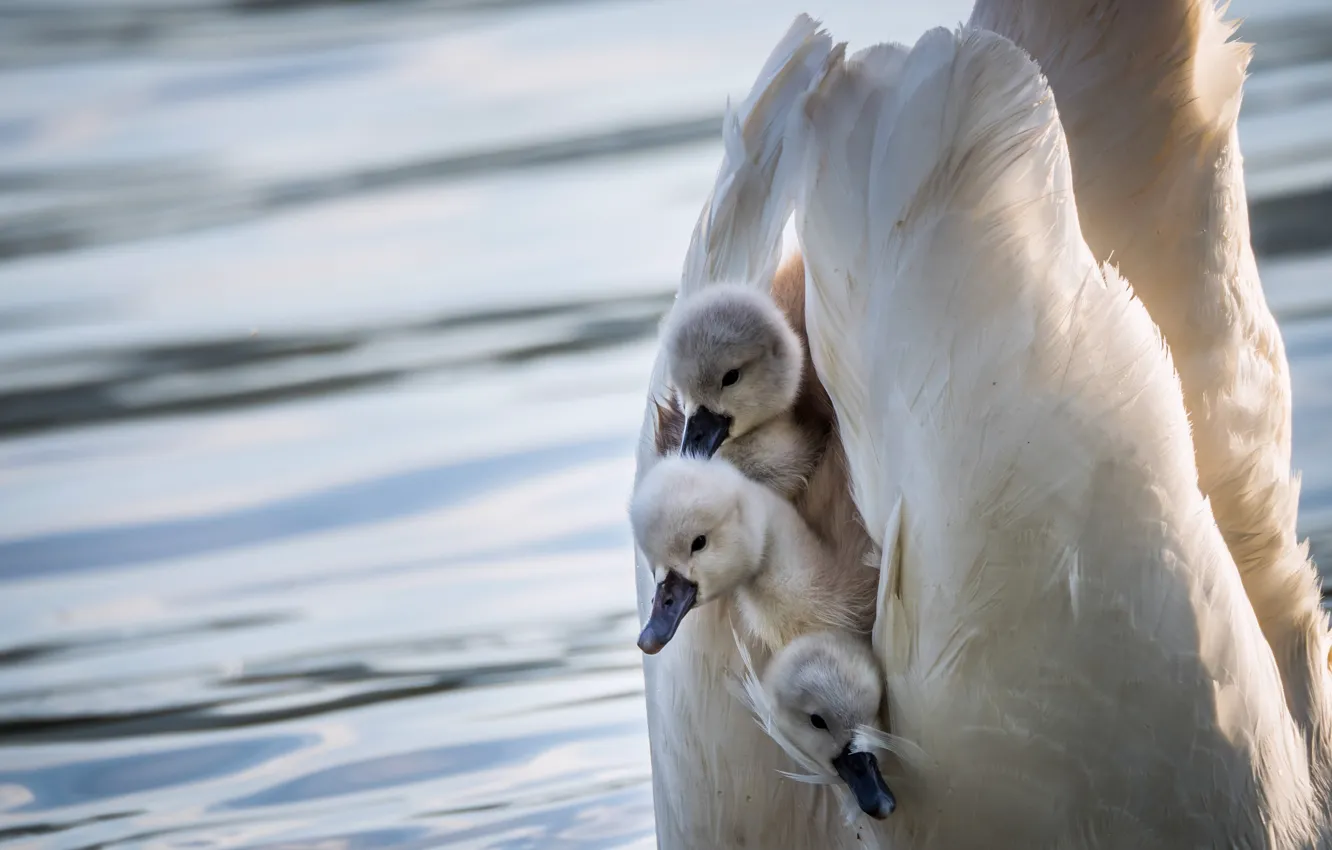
(820, 699)
(709, 532)
(736, 366)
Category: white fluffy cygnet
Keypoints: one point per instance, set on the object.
(709, 533)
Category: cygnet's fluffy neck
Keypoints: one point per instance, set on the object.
(798, 587)
(780, 453)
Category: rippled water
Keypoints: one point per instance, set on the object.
(323, 336)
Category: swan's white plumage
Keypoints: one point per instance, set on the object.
(1149, 93)
(1083, 666)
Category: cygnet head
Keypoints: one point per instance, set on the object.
(821, 689)
(735, 362)
(702, 533)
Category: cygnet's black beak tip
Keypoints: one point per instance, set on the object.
(674, 597)
(704, 432)
(860, 772)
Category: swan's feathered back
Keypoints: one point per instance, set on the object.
(1082, 665)
(1149, 94)
(738, 236)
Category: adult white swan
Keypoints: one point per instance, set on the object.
(1064, 631)
(1142, 81)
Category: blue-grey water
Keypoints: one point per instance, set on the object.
(324, 330)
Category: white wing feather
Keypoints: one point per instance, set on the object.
(891, 635)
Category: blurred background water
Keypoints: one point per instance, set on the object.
(324, 331)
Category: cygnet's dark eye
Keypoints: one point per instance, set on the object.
(818, 722)
(730, 377)
(698, 544)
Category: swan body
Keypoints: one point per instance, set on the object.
(730, 537)
(1071, 644)
(1149, 93)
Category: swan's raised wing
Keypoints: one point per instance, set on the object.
(738, 235)
(1056, 555)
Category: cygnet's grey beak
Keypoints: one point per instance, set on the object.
(674, 597)
(860, 772)
(704, 432)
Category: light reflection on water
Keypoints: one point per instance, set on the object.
(323, 338)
